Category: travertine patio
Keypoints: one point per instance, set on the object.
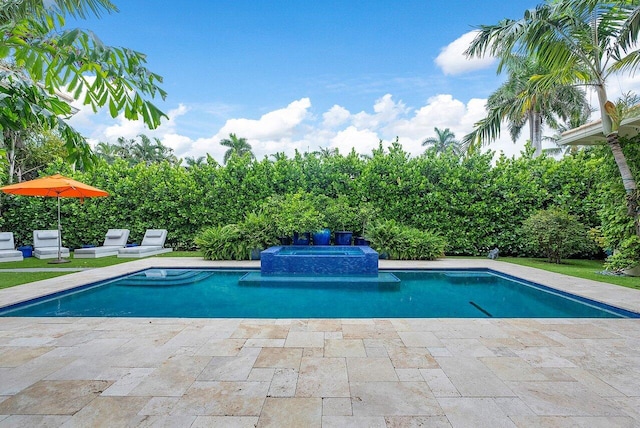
(328, 372)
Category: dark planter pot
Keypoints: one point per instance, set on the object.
(284, 240)
(255, 254)
(384, 256)
(361, 240)
(343, 238)
(27, 251)
(301, 238)
(322, 237)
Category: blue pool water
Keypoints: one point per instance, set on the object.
(216, 293)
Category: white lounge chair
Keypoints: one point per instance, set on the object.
(114, 240)
(151, 245)
(8, 252)
(45, 245)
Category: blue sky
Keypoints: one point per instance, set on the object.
(304, 74)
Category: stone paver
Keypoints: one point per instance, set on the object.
(329, 373)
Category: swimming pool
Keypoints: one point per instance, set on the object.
(216, 293)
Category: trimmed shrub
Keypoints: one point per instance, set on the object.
(556, 234)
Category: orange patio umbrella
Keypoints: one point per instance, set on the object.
(55, 186)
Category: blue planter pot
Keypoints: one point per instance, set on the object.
(322, 237)
(359, 240)
(301, 238)
(343, 238)
(27, 251)
(284, 240)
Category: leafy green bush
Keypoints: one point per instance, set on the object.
(257, 231)
(236, 241)
(405, 243)
(556, 234)
(626, 256)
(222, 243)
(294, 212)
(340, 215)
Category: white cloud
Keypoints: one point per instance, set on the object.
(385, 111)
(276, 124)
(294, 127)
(131, 128)
(363, 140)
(336, 116)
(452, 59)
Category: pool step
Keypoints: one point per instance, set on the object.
(377, 282)
(165, 277)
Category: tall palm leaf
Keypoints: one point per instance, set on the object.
(579, 42)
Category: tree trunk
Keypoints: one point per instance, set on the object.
(535, 132)
(629, 183)
(10, 140)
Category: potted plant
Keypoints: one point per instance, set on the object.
(322, 236)
(366, 214)
(296, 215)
(341, 216)
(274, 209)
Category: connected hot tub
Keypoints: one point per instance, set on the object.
(320, 260)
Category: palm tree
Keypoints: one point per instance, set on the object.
(165, 153)
(573, 122)
(579, 42)
(327, 152)
(445, 140)
(237, 146)
(107, 151)
(124, 149)
(193, 162)
(152, 151)
(519, 103)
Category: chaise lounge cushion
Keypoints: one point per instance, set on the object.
(114, 240)
(154, 237)
(8, 252)
(152, 244)
(45, 245)
(6, 241)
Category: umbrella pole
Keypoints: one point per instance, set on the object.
(59, 232)
(59, 259)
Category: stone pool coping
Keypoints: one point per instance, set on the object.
(622, 297)
(320, 372)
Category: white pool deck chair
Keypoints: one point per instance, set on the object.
(114, 240)
(8, 252)
(45, 245)
(151, 245)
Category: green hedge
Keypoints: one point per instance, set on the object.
(474, 204)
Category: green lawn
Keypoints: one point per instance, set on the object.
(9, 279)
(588, 269)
